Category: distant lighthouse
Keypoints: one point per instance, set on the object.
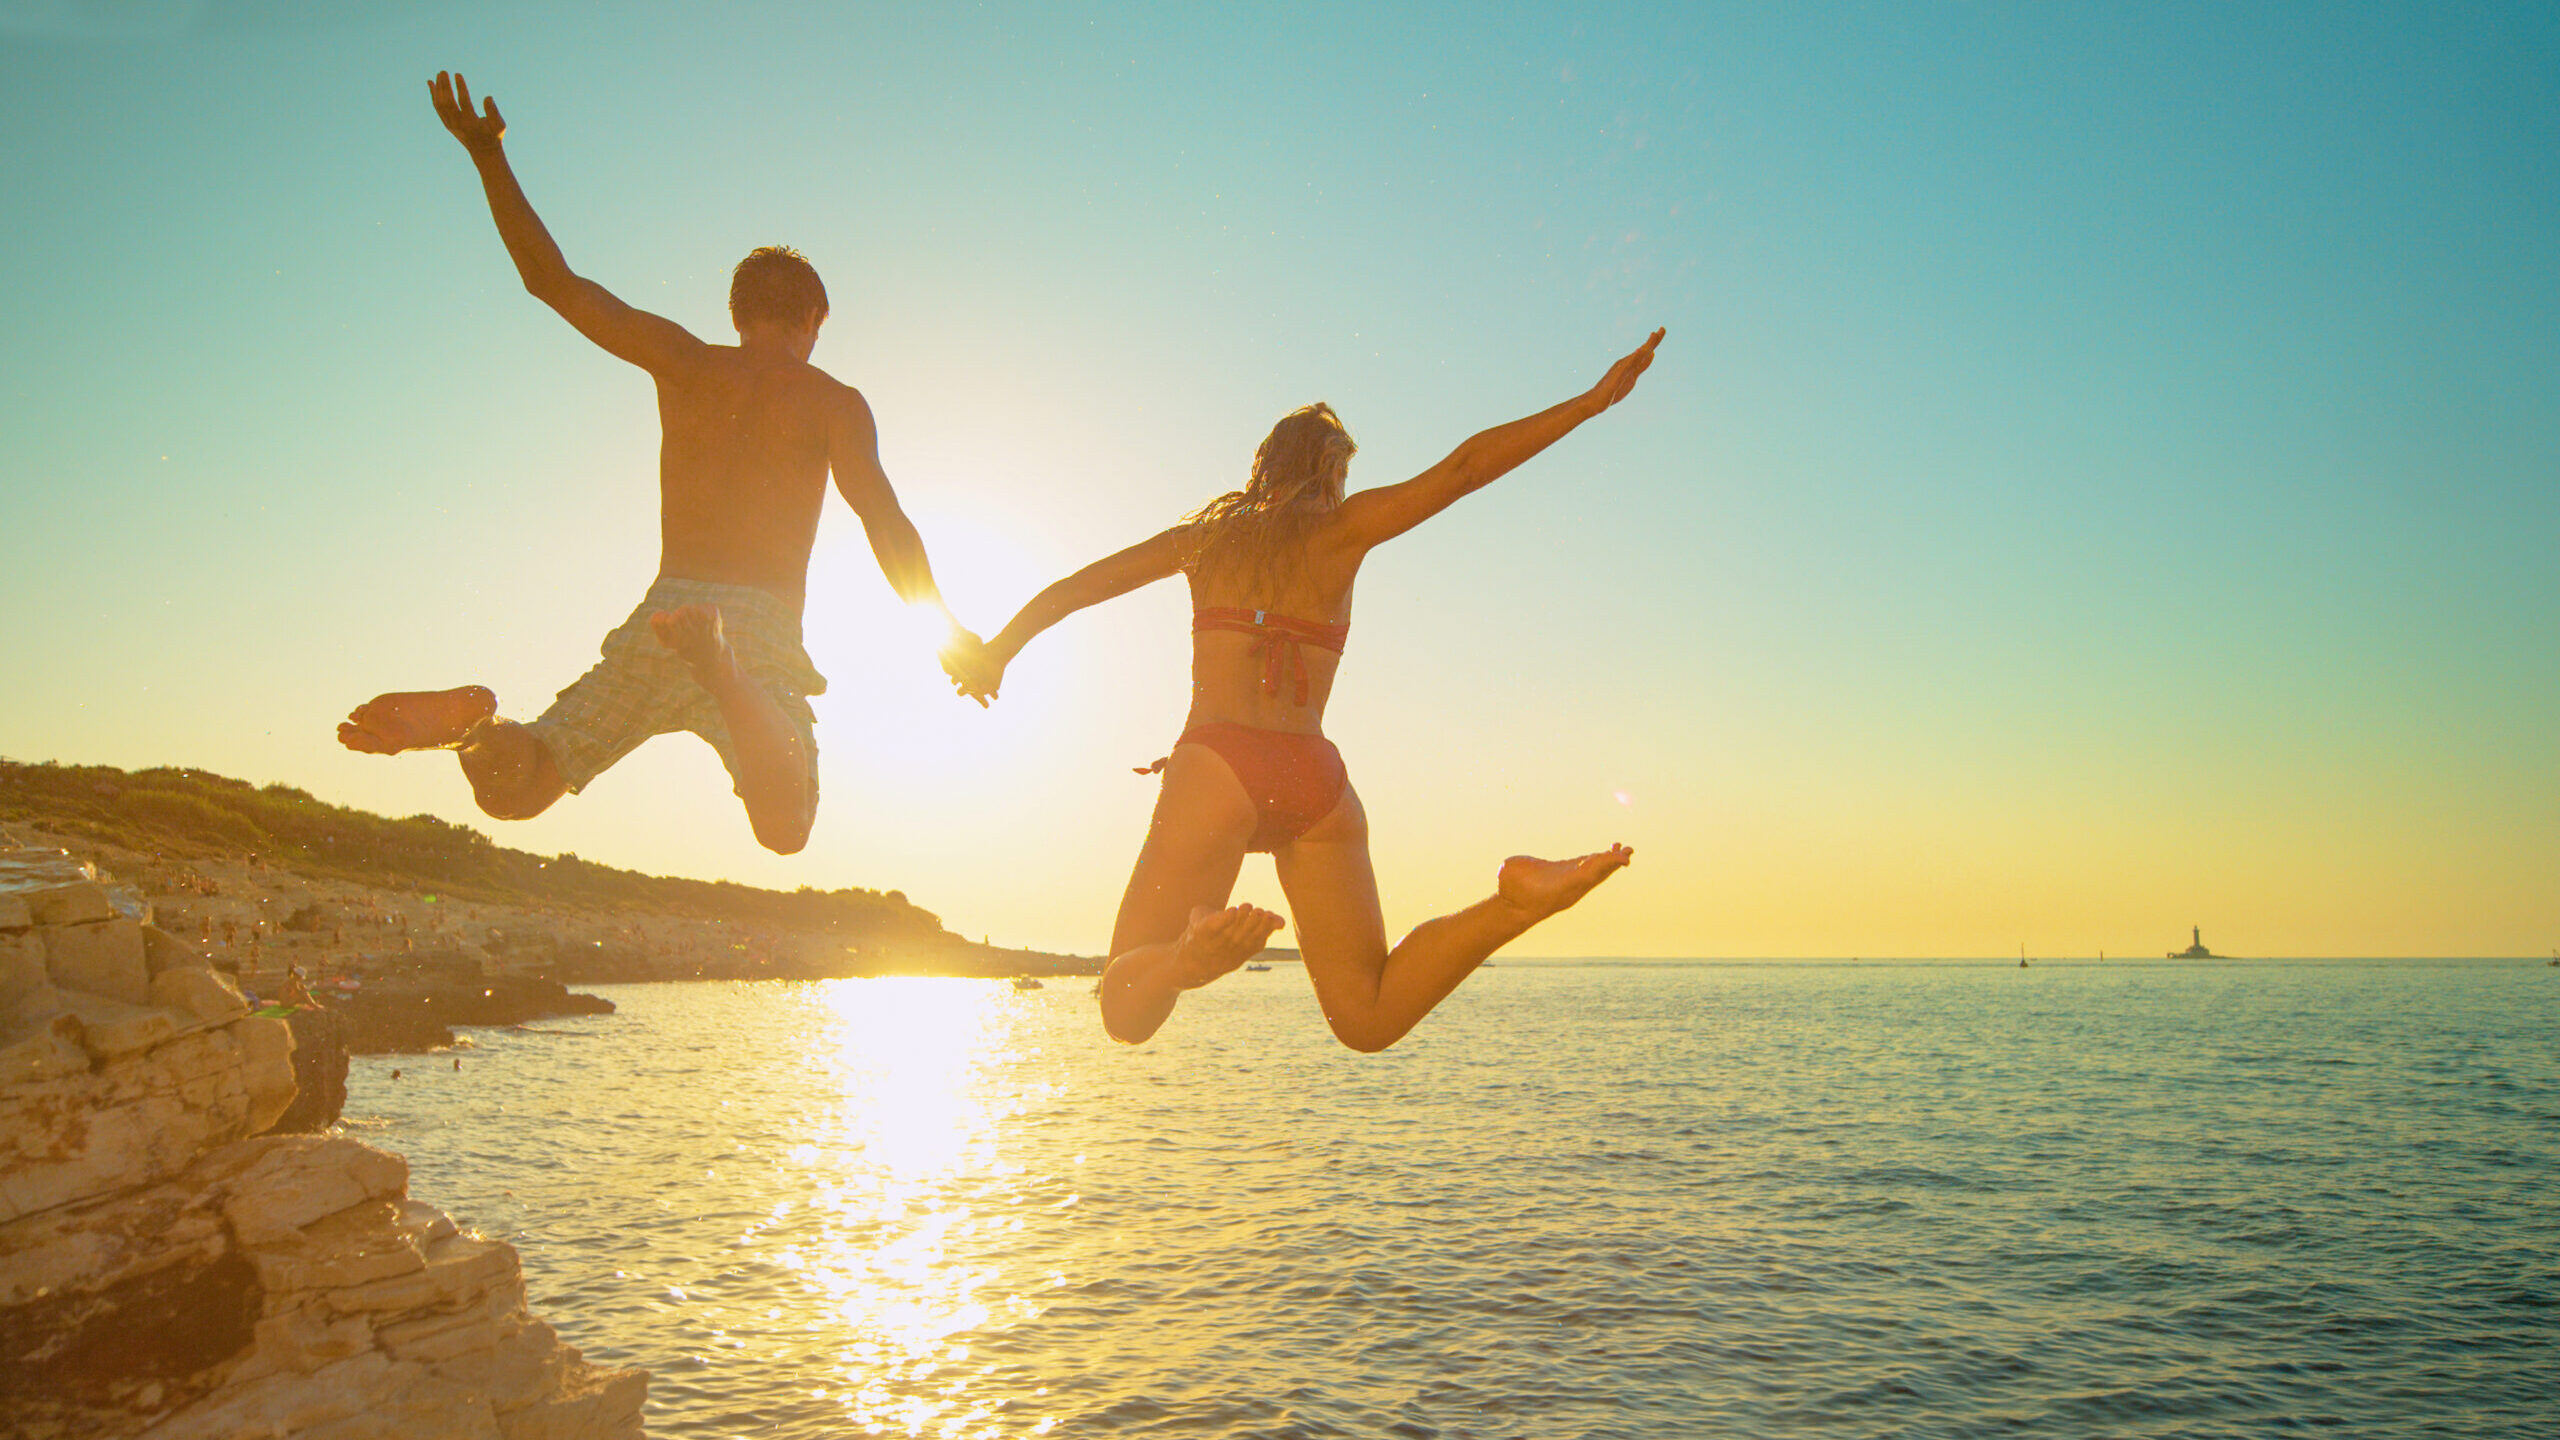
(2195, 951)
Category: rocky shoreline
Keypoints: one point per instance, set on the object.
(402, 967)
(175, 1266)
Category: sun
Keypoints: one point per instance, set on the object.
(984, 572)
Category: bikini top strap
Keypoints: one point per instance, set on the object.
(1277, 640)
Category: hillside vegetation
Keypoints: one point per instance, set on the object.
(179, 814)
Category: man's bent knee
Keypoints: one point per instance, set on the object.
(516, 797)
(513, 809)
(783, 834)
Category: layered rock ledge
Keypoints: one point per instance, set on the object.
(170, 1268)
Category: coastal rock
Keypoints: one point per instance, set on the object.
(266, 1049)
(74, 904)
(167, 1271)
(162, 951)
(47, 1050)
(419, 1014)
(105, 1243)
(110, 1030)
(22, 966)
(587, 1407)
(102, 957)
(134, 1120)
(283, 1184)
(319, 1072)
(55, 887)
(206, 994)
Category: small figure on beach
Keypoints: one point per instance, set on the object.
(751, 433)
(1270, 568)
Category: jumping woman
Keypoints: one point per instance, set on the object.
(1270, 568)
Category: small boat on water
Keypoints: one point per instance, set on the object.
(1257, 965)
(1026, 982)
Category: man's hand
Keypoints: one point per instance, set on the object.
(477, 132)
(975, 672)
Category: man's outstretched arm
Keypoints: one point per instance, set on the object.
(652, 342)
(853, 452)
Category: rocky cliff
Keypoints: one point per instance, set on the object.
(170, 1269)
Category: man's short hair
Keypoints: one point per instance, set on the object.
(777, 283)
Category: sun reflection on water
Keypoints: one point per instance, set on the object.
(903, 1179)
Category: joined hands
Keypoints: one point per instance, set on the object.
(976, 672)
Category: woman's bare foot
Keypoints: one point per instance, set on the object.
(416, 720)
(1543, 887)
(695, 634)
(1217, 941)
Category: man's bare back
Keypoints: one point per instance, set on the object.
(750, 434)
(742, 470)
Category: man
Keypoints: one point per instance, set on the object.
(750, 434)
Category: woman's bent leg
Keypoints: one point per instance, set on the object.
(1175, 932)
(1373, 996)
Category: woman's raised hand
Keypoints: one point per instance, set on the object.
(1613, 387)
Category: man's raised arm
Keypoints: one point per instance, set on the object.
(652, 342)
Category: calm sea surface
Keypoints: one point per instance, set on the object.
(1671, 1200)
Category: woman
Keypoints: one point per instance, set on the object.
(1270, 568)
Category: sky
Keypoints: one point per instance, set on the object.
(2103, 475)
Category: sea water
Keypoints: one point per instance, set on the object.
(1583, 1199)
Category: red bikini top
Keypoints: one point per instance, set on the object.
(1277, 640)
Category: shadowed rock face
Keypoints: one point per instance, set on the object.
(319, 1072)
(168, 1266)
(419, 1014)
(103, 1350)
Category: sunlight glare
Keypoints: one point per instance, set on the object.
(914, 1071)
(924, 625)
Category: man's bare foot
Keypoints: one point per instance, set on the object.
(1543, 887)
(695, 634)
(416, 720)
(1217, 941)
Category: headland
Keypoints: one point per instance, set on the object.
(407, 928)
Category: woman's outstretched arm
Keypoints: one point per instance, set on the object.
(1144, 563)
(1374, 517)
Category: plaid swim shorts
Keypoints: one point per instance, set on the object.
(640, 688)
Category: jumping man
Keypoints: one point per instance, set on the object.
(751, 432)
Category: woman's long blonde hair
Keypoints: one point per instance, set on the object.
(1297, 479)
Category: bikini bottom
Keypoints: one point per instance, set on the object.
(1295, 779)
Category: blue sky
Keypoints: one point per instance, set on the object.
(2101, 476)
